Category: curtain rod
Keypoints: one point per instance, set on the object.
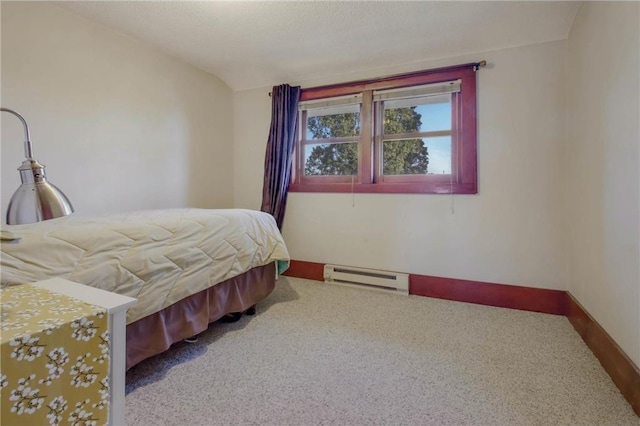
(476, 66)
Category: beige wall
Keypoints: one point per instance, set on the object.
(119, 125)
(511, 232)
(603, 163)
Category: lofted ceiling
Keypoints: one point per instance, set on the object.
(252, 44)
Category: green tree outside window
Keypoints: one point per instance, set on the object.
(401, 157)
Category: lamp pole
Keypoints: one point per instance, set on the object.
(28, 147)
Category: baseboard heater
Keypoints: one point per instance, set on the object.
(367, 278)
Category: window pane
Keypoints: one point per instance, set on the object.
(436, 115)
(439, 154)
(425, 114)
(336, 159)
(417, 156)
(333, 125)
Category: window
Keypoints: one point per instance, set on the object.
(330, 137)
(412, 133)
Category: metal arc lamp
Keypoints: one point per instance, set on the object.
(36, 199)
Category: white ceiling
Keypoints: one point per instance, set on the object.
(252, 44)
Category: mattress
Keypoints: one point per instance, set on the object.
(158, 256)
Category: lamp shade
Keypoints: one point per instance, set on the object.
(36, 199)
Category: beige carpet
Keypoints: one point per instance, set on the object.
(319, 354)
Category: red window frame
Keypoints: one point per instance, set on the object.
(463, 177)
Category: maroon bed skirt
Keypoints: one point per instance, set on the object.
(155, 333)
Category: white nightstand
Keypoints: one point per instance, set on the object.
(116, 306)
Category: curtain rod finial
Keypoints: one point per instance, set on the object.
(479, 65)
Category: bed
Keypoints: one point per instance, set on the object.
(186, 267)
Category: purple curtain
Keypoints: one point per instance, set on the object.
(280, 146)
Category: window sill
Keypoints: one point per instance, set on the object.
(387, 188)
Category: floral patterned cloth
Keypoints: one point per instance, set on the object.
(54, 365)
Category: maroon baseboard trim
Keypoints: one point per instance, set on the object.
(504, 296)
(308, 270)
(623, 371)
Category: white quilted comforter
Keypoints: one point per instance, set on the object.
(157, 256)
